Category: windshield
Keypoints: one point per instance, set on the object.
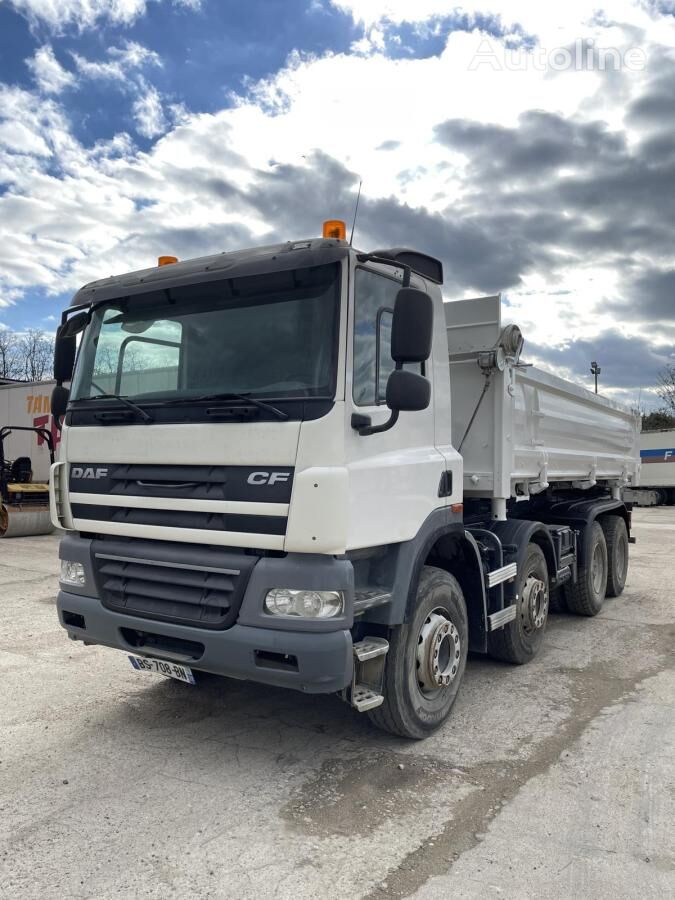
(269, 336)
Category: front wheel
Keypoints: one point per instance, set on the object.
(426, 659)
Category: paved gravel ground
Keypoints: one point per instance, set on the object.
(552, 780)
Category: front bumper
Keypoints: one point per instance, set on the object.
(314, 662)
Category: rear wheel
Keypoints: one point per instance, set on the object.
(426, 659)
(616, 538)
(520, 640)
(587, 596)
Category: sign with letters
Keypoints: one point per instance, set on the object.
(667, 455)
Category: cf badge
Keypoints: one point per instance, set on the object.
(259, 478)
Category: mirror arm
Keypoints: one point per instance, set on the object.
(363, 425)
(372, 257)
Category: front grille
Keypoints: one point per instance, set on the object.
(199, 586)
(177, 518)
(240, 483)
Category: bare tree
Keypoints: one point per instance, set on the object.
(106, 360)
(37, 354)
(666, 388)
(10, 355)
(657, 420)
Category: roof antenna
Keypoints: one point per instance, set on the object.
(356, 209)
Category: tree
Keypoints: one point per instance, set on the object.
(37, 354)
(656, 421)
(10, 356)
(666, 389)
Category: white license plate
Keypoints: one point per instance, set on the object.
(162, 667)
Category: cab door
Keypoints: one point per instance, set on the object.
(394, 476)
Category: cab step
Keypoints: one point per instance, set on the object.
(365, 691)
(364, 699)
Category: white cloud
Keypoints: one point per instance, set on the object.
(529, 14)
(122, 67)
(149, 113)
(624, 23)
(84, 14)
(31, 127)
(122, 60)
(58, 14)
(49, 74)
(73, 213)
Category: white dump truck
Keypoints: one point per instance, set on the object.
(298, 465)
(657, 481)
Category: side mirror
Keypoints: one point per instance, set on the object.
(60, 397)
(412, 326)
(64, 356)
(411, 335)
(75, 324)
(407, 391)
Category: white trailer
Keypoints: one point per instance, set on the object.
(340, 483)
(28, 437)
(657, 481)
(28, 404)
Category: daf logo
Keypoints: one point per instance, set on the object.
(260, 478)
(89, 472)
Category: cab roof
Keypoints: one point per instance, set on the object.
(240, 263)
(230, 264)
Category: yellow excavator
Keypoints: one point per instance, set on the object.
(24, 503)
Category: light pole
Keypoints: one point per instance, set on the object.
(595, 370)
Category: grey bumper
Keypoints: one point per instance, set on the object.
(314, 662)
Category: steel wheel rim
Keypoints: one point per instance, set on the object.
(439, 653)
(533, 604)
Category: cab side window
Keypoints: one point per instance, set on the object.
(374, 298)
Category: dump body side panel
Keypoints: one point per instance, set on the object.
(531, 428)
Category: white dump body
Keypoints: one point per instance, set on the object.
(532, 428)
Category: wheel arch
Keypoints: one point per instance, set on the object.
(520, 533)
(619, 510)
(581, 514)
(407, 560)
(457, 553)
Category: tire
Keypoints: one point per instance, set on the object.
(520, 640)
(410, 708)
(585, 598)
(616, 538)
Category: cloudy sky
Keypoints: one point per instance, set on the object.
(530, 146)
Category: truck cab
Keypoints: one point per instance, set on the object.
(257, 479)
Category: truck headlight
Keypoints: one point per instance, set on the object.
(72, 572)
(304, 604)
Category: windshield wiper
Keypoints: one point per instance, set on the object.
(137, 409)
(230, 395)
